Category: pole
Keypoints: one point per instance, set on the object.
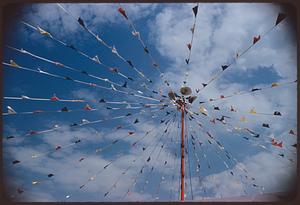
(182, 153)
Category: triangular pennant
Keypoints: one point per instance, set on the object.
(96, 59)
(122, 11)
(13, 64)
(280, 17)
(87, 107)
(189, 46)
(10, 110)
(146, 49)
(253, 111)
(224, 67)
(277, 113)
(274, 84)
(265, 125)
(43, 32)
(80, 21)
(255, 39)
(195, 10)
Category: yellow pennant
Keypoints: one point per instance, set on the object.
(203, 110)
(14, 64)
(43, 32)
(274, 84)
(253, 111)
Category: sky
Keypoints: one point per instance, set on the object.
(222, 29)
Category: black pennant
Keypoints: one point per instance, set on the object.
(224, 67)
(195, 10)
(280, 17)
(130, 63)
(80, 21)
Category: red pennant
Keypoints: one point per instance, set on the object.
(122, 11)
(189, 46)
(255, 39)
(87, 107)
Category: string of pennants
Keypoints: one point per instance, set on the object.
(256, 39)
(190, 45)
(163, 133)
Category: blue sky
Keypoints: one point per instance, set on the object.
(221, 30)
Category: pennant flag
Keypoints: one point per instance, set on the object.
(255, 89)
(253, 111)
(222, 96)
(122, 11)
(265, 125)
(224, 67)
(155, 64)
(135, 33)
(80, 21)
(43, 32)
(187, 61)
(87, 107)
(113, 87)
(274, 84)
(34, 182)
(114, 50)
(50, 175)
(195, 10)
(64, 109)
(136, 121)
(24, 97)
(192, 99)
(277, 113)
(292, 132)
(148, 159)
(189, 46)
(255, 39)
(13, 64)
(280, 17)
(275, 143)
(20, 191)
(71, 46)
(96, 59)
(84, 72)
(10, 110)
(204, 84)
(129, 62)
(216, 108)
(146, 49)
(232, 109)
(130, 133)
(115, 70)
(102, 101)
(81, 159)
(203, 110)
(68, 78)
(16, 161)
(84, 121)
(10, 137)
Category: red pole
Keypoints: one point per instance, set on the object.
(182, 153)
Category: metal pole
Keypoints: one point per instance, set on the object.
(182, 153)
